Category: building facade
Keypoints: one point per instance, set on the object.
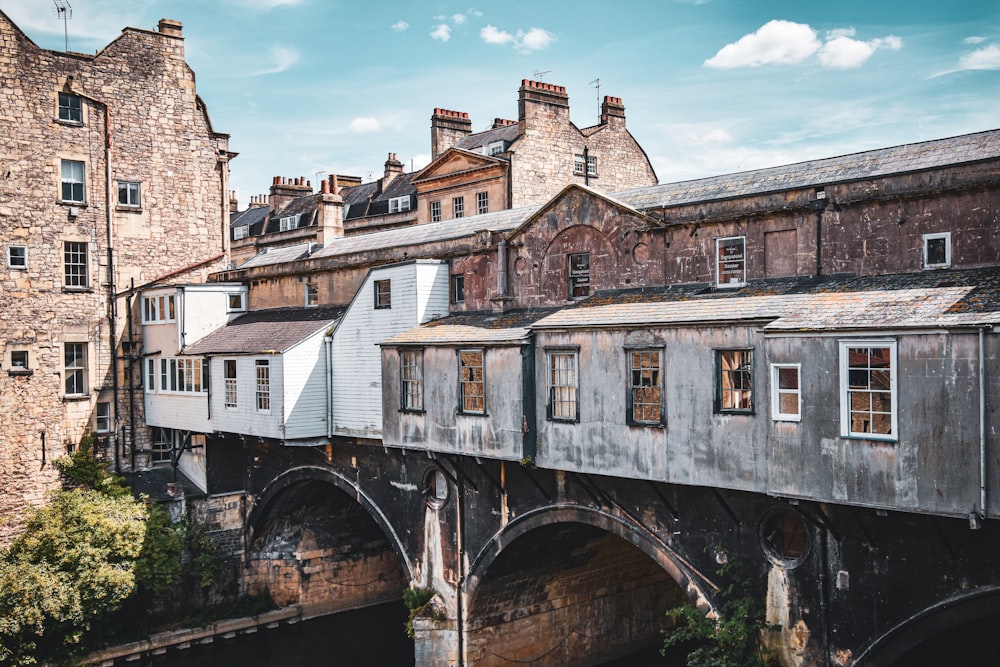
(96, 184)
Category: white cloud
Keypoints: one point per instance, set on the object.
(419, 161)
(535, 39)
(442, 32)
(716, 136)
(400, 26)
(974, 39)
(459, 19)
(493, 35)
(788, 43)
(282, 58)
(987, 57)
(775, 42)
(361, 125)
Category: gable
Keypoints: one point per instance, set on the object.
(454, 161)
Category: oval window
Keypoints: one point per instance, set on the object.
(785, 538)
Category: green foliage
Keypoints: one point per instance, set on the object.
(159, 564)
(73, 566)
(733, 639)
(417, 600)
(81, 469)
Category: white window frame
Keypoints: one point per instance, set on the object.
(289, 222)
(262, 380)
(562, 385)
(482, 203)
(150, 375)
(183, 375)
(241, 232)
(73, 173)
(579, 165)
(68, 111)
(236, 302)
(230, 382)
(777, 392)
(436, 211)
(494, 148)
(102, 417)
(845, 389)
(77, 367)
(159, 309)
(133, 194)
(591, 165)
(947, 250)
(720, 264)
(22, 263)
(76, 264)
(399, 204)
(458, 207)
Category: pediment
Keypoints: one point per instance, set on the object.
(454, 161)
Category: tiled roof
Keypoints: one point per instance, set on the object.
(366, 199)
(266, 331)
(814, 173)
(506, 133)
(278, 255)
(468, 328)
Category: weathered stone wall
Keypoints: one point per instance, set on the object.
(140, 91)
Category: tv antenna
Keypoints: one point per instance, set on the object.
(597, 84)
(538, 75)
(64, 10)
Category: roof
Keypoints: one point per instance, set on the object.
(267, 331)
(306, 206)
(471, 328)
(507, 133)
(366, 199)
(279, 255)
(854, 166)
(253, 217)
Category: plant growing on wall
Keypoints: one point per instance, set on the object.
(734, 637)
(418, 601)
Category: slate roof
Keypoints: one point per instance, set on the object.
(254, 217)
(470, 328)
(278, 255)
(306, 206)
(366, 199)
(815, 173)
(268, 331)
(505, 133)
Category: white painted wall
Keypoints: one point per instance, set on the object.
(188, 412)
(305, 386)
(419, 293)
(244, 418)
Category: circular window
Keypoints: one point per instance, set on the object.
(785, 538)
(435, 487)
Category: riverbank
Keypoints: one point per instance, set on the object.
(179, 640)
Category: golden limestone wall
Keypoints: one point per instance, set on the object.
(138, 106)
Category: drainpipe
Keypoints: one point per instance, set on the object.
(982, 424)
(460, 538)
(181, 320)
(328, 344)
(586, 171)
(502, 268)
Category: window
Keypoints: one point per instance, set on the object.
(75, 369)
(645, 387)
(236, 302)
(563, 381)
(471, 386)
(868, 389)
(399, 204)
(19, 360)
(591, 165)
(937, 250)
(289, 222)
(436, 488)
(229, 379)
(435, 211)
(731, 265)
(72, 181)
(383, 294)
(17, 257)
(482, 203)
(241, 232)
(128, 194)
(263, 368)
(786, 397)
(579, 165)
(75, 263)
(734, 381)
(494, 148)
(103, 417)
(70, 108)
(162, 442)
(411, 373)
(183, 375)
(150, 375)
(158, 308)
(458, 207)
(458, 288)
(579, 275)
(312, 295)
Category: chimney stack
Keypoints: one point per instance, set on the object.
(330, 221)
(540, 103)
(170, 27)
(234, 205)
(612, 109)
(393, 168)
(447, 129)
(284, 190)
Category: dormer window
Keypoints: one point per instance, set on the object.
(399, 204)
(289, 222)
(494, 148)
(241, 232)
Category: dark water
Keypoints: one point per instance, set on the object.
(372, 637)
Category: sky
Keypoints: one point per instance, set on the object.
(314, 87)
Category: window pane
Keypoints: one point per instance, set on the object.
(788, 404)
(75, 264)
(788, 378)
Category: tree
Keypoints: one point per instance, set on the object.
(733, 638)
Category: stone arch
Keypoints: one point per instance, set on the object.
(931, 623)
(578, 238)
(314, 535)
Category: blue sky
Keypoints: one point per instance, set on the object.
(709, 86)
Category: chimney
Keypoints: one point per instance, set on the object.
(502, 122)
(284, 190)
(540, 103)
(330, 222)
(447, 129)
(393, 168)
(612, 108)
(170, 27)
(234, 205)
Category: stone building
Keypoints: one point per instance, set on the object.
(112, 178)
